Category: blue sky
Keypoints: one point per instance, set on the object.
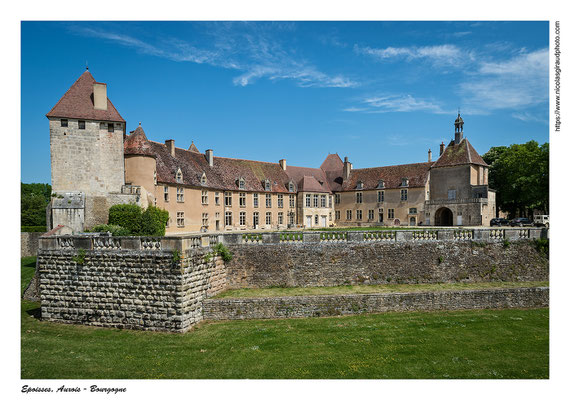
(381, 93)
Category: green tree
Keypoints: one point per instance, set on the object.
(33, 202)
(519, 173)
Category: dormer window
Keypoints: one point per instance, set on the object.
(267, 185)
(380, 184)
(359, 185)
(404, 181)
(179, 176)
(203, 179)
(241, 183)
(291, 186)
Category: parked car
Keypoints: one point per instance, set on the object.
(499, 222)
(542, 220)
(521, 222)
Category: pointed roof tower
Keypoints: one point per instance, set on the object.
(137, 144)
(79, 102)
(193, 148)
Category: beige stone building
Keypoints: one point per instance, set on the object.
(95, 165)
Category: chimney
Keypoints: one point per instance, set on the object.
(100, 96)
(441, 148)
(283, 164)
(170, 145)
(210, 157)
(346, 169)
(429, 155)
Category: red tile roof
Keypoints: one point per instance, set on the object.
(318, 183)
(392, 176)
(332, 163)
(459, 154)
(137, 144)
(77, 102)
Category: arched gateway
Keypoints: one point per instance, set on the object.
(444, 217)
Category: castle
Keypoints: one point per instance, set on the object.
(95, 164)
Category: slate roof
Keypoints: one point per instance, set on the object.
(459, 154)
(417, 175)
(77, 103)
(332, 163)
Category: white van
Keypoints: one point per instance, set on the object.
(542, 220)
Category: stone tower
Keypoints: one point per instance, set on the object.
(87, 161)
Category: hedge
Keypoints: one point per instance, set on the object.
(150, 222)
(32, 228)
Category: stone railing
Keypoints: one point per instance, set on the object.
(181, 243)
(458, 201)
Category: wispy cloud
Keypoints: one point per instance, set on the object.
(528, 117)
(516, 83)
(447, 54)
(396, 103)
(253, 50)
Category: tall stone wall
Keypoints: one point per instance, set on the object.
(150, 284)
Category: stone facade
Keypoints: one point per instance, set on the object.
(333, 305)
(29, 243)
(161, 283)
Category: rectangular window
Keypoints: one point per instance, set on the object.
(280, 200)
(242, 200)
(315, 200)
(204, 197)
(371, 215)
(110, 127)
(330, 201)
(217, 198)
(413, 210)
(267, 218)
(242, 184)
(205, 220)
(255, 219)
(380, 196)
(228, 218)
(291, 201)
(242, 218)
(268, 201)
(280, 218)
(451, 194)
(81, 124)
(337, 215)
(64, 123)
(359, 197)
(359, 215)
(180, 219)
(180, 195)
(348, 215)
(404, 195)
(337, 198)
(168, 223)
(307, 200)
(228, 199)
(255, 200)
(390, 213)
(166, 194)
(316, 220)
(323, 200)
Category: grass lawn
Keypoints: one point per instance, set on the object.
(362, 289)
(458, 344)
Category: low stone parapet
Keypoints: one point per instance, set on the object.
(332, 305)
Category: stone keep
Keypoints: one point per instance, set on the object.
(87, 161)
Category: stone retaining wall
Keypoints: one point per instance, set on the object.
(29, 242)
(331, 305)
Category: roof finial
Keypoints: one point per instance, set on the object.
(458, 111)
(139, 123)
(86, 65)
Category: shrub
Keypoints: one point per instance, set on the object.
(153, 222)
(223, 252)
(32, 228)
(542, 246)
(506, 243)
(126, 215)
(114, 230)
